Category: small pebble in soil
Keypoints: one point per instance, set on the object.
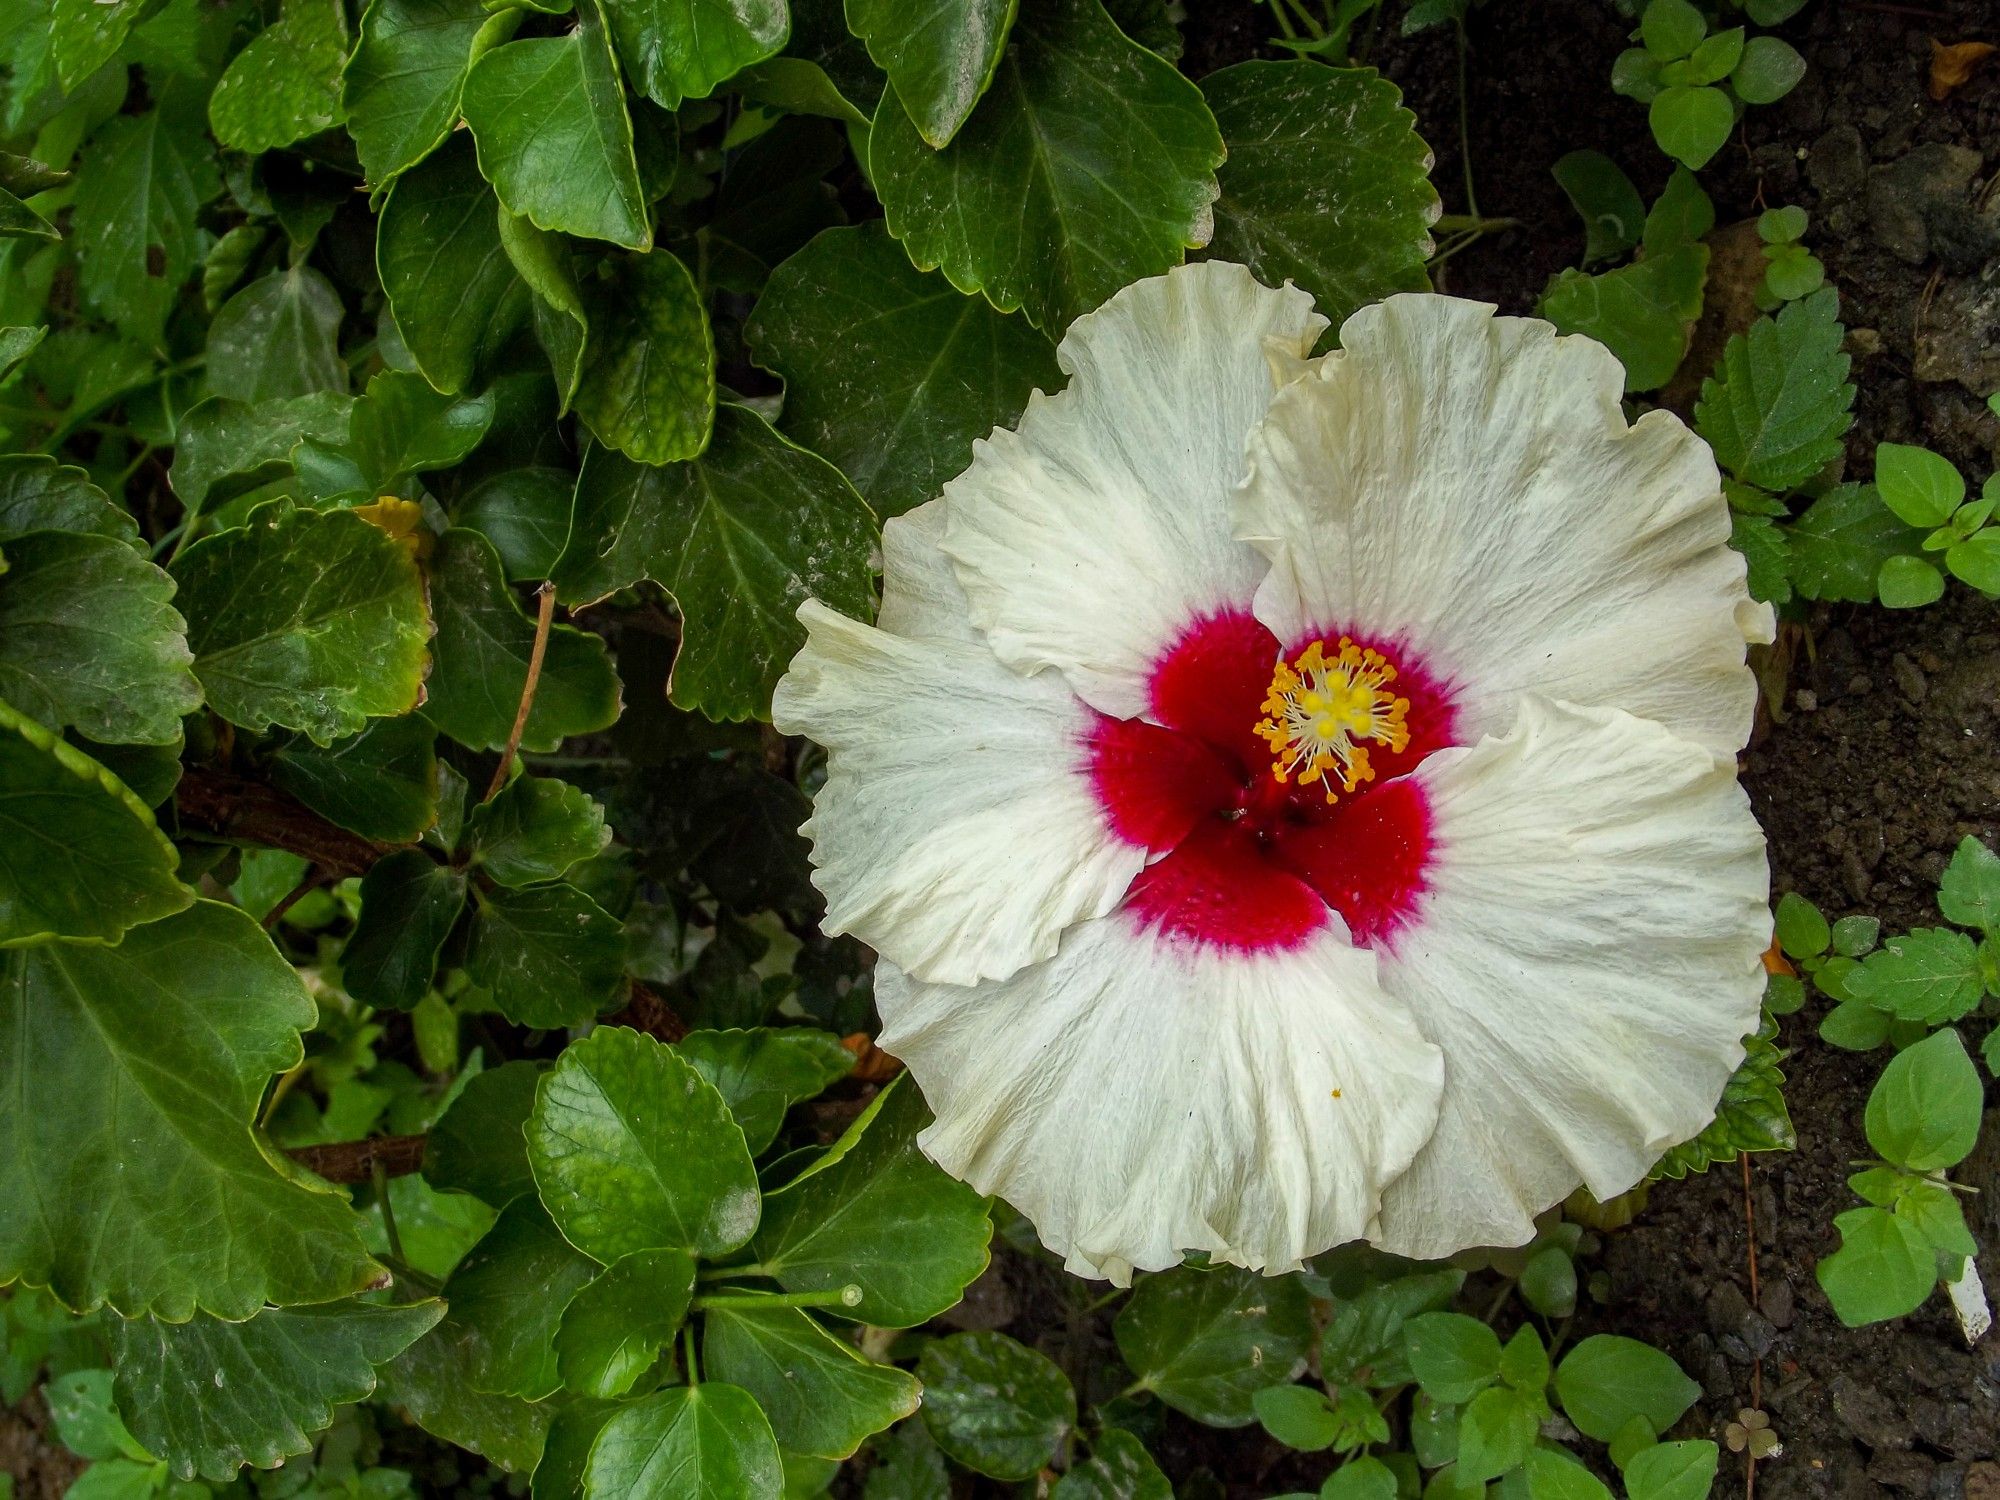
(1909, 677)
(1775, 1301)
(1807, 700)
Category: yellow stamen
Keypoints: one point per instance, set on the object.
(1320, 710)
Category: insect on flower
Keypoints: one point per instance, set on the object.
(1294, 799)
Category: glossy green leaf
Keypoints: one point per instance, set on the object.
(875, 1212)
(535, 830)
(1976, 560)
(763, 1071)
(634, 1151)
(525, 514)
(705, 1442)
(682, 49)
(1552, 1474)
(554, 138)
(1363, 1340)
(1776, 409)
(1671, 28)
(18, 221)
(549, 954)
(128, 1096)
(1691, 123)
(1642, 312)
(224, 448)
(1088, 164)
(559, 1475)
(429, 1381)
(1495, 1432)
(1751, 1115)
(285, 84)
(277, 339)
(437, 249)
(80, 856)
(822, 1395)
(1205, 1341)
(86, 34)
(889, 372)
(401, 87)
(89, 639)
(740, 537)
(1931, 974)
(1605, 199)
(648, 388)
(994, 1404)
(1969, 893)
(141, 188)
(615, 1328)
(507, 1299)
(1908, 583)
(1920, 486)
(1118, 1468)
(1769, 69)
(908, 1466)
(1452, 1356)
(380, 783)
(1839, 545)
(312, 620)
(1924, 1111)
(481, 655)
(940, 56)
(409, 905)
(1326, 183)
(39, 494)
(478, 1145)
(1297, 1416)
(210, 1397)
(16, 344)
(1607, 1380)
(1800, 927)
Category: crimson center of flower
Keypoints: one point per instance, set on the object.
(1271, 786)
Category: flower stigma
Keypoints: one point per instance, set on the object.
(1319, 712)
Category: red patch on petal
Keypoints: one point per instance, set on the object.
(1156, 784)
(1366, 856)
(1211, 682)
(1218, 888)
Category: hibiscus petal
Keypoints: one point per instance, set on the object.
(1588, 955)
(920, 592)
(1092, 535)
(957, 833)
(1468, 485)
(1138, 1096)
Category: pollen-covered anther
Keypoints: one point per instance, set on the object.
(1323, 713)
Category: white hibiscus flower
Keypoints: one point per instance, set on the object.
(1294, 800)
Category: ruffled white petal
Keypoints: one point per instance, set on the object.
(1588, 957)
(957, 833)
(920, 593)
(1088, 538)
(1139, 1096)
(1467, 485)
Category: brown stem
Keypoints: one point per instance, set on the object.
(239, 810)
(291, 898)
(359, 1161)
(545, 614)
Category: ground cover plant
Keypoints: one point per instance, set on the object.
(426, 1068)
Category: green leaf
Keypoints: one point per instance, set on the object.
(889, 372)
(1641, 312)
(1552, 1474)
(210, 1397)
(1524, 1360)
(16, 344)
(1767, 557)
(1362, 229)
(702, 1442)
(554, 139)
(1969, 893)
(1802, 930)
(1840, 544)
(1361, 1479)
(482, 648)
(1908, 583)
(573, 1432)
(1854, 936)
(477, 1146)
(429, 1381)
(1934, 1209)
(380, 783)
(18, 221)
(995, 1405)
(89, 640)
(1691, 124)
(1885, 1267)
(80, 856)
(285, 85)
(1119, 1468)
(1924, 1111)
(312, 620)
(525, 514)
(142, 184)
(224, 448)
(1715, 57)
(449, 283)
(763, 1071)
(634, 1151)
(1606, 201)
(1775, 410)
(1672, 1471)
(823, 1397)
(1976, 560)
(277, 338)
(908, 1466)
(1920, 486)
(940, 58)
(1855, 1026)
(402, 85)
(507, 1299)
(1088, 165)
(38, 494)
(1929, 975)
(1495, 1432)
(549, 954)
(1205, 1341)
(876, 1213)
(1671, 28)
(562, 323)
(615, 1328)
(409, 905)
(1452, 1356)
(1297, 1416)
(84, 35)
(1364, 1336)
(400, 427)
(1750, 1117)
(128, 1097)
(681, 49)
(1607, 1380)
(1769, 69)
(740, 537)
(648, 389)
(535, 830)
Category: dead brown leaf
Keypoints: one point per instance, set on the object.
(1952, 65)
